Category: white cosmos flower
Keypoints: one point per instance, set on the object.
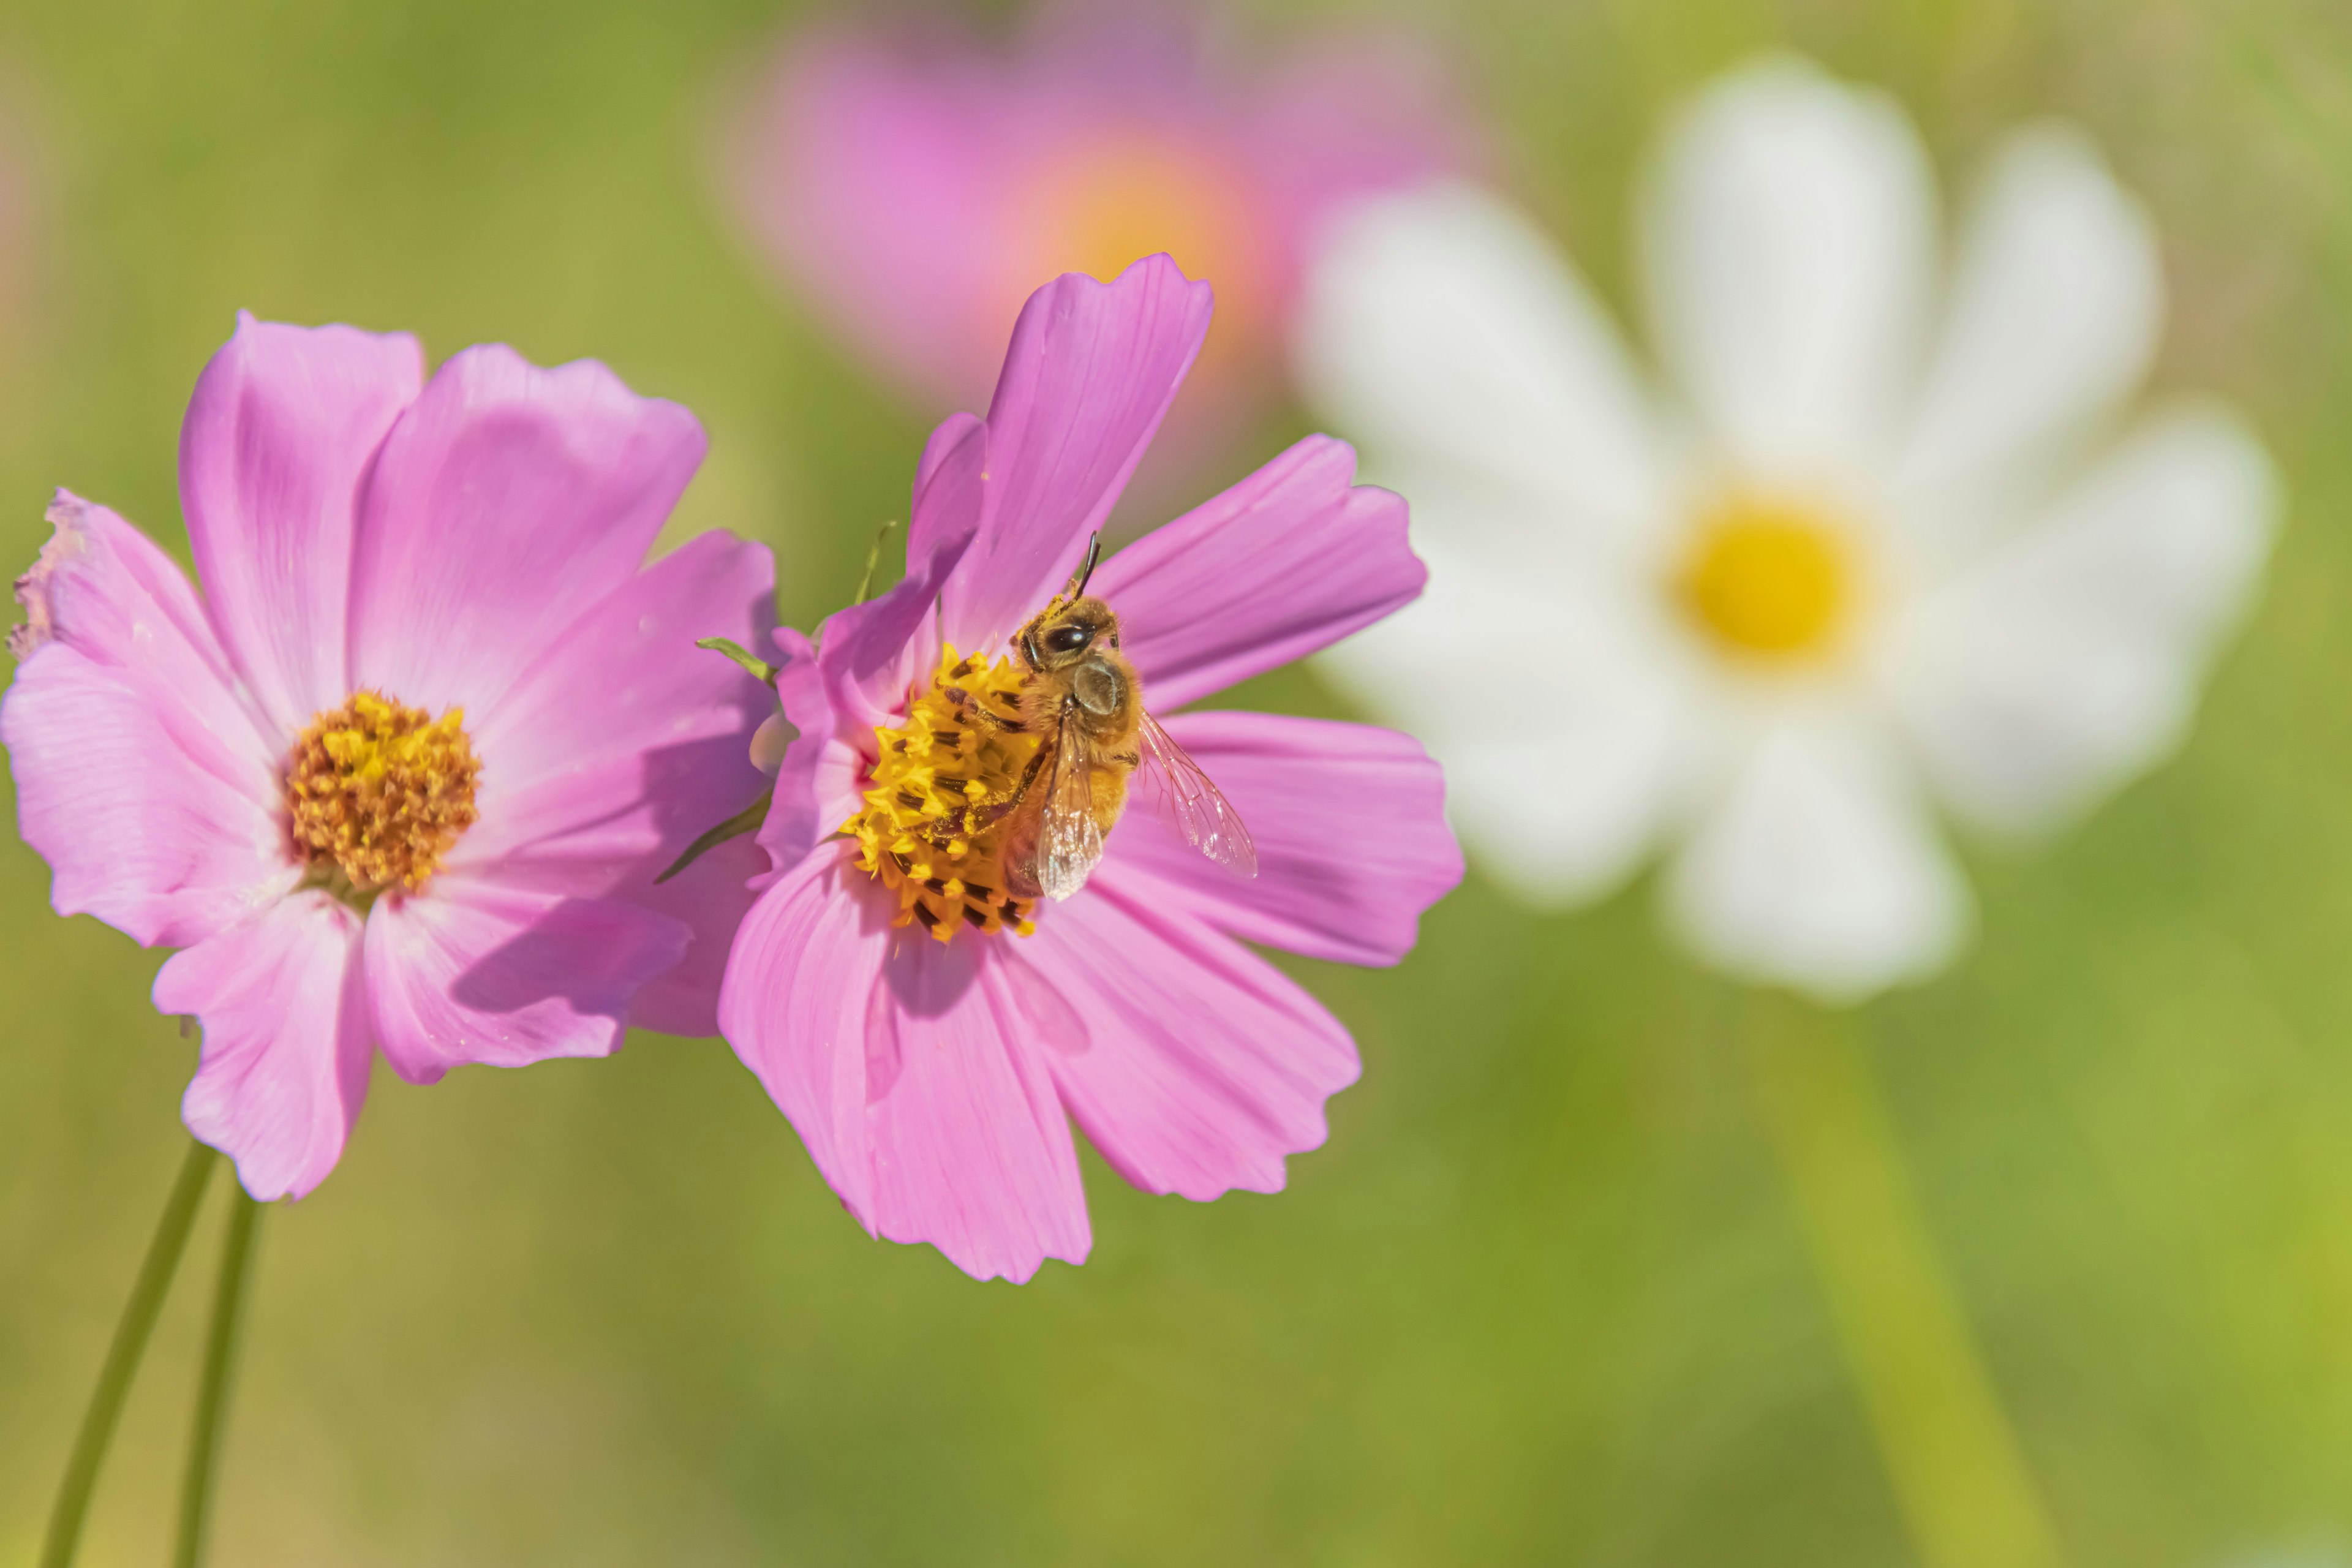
(1881, 536)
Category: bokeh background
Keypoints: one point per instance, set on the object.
(1541, 1299)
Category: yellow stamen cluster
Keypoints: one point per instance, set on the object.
(378, 792)
(1769, 580)
(933, 826)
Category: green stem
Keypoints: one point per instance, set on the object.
(1955, 1463)
(220, 1362)
(122, 1356)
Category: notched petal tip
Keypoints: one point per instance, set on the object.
(66, 542)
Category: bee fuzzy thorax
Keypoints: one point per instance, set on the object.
(931, 829)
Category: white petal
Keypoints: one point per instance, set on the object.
(2057, 306)
(2069, 660)
(1440, 328)
(1820, 869)
(1791, 237)
(1557, 717)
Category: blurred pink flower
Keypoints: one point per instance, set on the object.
(916, 186)
(402, 776)
(929, 1078)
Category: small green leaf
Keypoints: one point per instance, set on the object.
(758, 669)
(747, 820)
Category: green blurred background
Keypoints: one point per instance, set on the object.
(1541, 1298)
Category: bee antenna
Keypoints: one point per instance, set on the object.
(1087, 572)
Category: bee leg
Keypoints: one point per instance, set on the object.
(990, 810)
(972, 710)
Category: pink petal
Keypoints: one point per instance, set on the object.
(475, 971)
(278, 435)
(950, 488)
(1350, 823)
(624, 744)
(901, 1064)
(872, 651)
(139, 776)
(1193, 1065)
(1283, 564)
(709, 898)
(1348, 116)
(1092, 369)
(816, 788)
(283, 1004)
(853, 173)
(506, 499)
(624, 740)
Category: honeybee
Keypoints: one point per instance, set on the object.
(1082, 698)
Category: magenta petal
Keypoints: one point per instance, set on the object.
(1285, 564)
(505, 500)
(899, 1062)
(475, 971)
(140, 777)
(1350, 823)
(1191, 1064)
(1091, 371)
(278, 437)
(285, 1055)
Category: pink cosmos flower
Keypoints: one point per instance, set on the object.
(400, 778)
(927, 1033)
(917, 186)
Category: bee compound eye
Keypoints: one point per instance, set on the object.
(1066, 639)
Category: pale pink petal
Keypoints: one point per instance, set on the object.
(1092, 369)
(854, 171)
(278, 439)
(1191, 1064)
(624, 740)
(506, 499)
(1349, 824)
(140, 777)
(471, 970)
(283, 1003)
(912, 1089)
(1347, 116)
(1282, 565)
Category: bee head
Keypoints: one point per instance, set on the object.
(1066, 631)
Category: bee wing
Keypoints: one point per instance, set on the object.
(1069, 839)
(1193, 806)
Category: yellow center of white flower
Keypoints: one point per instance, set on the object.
(1768, 580)
(378, 792)
(932, 829)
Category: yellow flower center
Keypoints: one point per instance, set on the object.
(378, 792)
(932, 830)
(1128, 197)
(1768, 580)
